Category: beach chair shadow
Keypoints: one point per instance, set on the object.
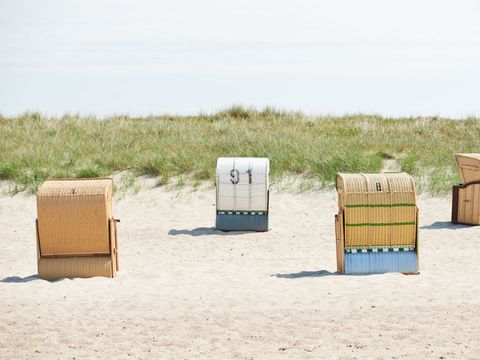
(438, 225)
(306, 274)
(18, 279)
(204, 231)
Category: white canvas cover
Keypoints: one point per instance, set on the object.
(242, 184)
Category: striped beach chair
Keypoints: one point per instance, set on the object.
(377, 224)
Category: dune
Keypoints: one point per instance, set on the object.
(187, 291)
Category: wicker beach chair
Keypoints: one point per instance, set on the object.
(76, 231)
(466, 196)
(377, 224)
(242, 194)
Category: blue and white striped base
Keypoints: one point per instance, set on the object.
(357, 263)
(242, 221)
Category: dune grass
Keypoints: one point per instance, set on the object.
(34, 147)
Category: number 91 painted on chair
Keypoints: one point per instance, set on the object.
(242, 189)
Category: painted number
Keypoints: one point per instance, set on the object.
(249, 172)
(235, 176)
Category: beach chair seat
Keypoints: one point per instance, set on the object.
(76, 231)
(242, 194)
(377, 224)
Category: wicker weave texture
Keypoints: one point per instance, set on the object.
(469, 166)
(72, 267)
(374, 183)
(378, 209)
(73, 216)
(469, 205)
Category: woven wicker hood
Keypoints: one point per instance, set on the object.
(73, 217)
(378, 209)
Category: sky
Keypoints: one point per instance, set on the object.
(98, 57)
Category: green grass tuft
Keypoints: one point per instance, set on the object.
(34, 147)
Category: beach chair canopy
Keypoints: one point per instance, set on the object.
(242, 184)
(378, 209)
(74, 217)
(469, 166)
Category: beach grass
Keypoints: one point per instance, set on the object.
(34, 147)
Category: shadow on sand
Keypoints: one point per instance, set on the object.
(437, 225)
(306, 274)
(18, 279)
(203, 231)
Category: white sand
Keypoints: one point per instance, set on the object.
(187, 291)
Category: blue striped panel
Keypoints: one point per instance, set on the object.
(241, 222)
(381, 262)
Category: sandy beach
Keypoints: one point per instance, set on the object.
(186, 291)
